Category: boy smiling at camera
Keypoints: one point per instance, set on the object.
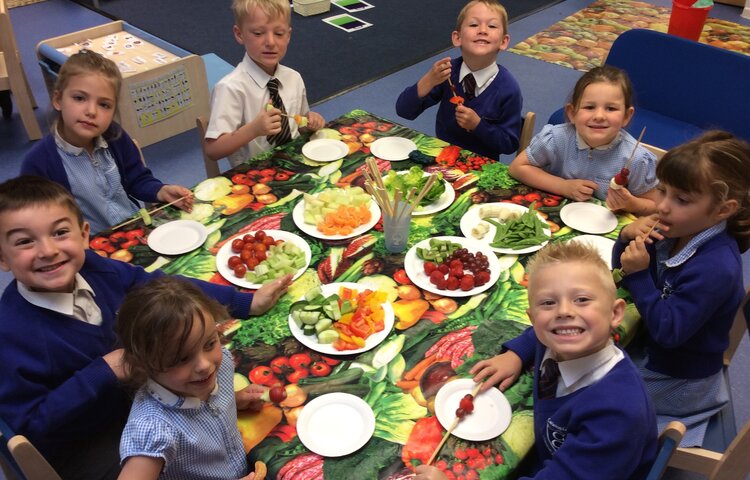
(592, 416)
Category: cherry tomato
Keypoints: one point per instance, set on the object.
(240, 271)
(246, 255)
(239, 179)
(299, 360)
(401, 277)
(320, 369)
(295, 376)
(248, 238)
(277, 394)
(233, 261)
(279, 365)
(237, 245)
(262, 375)
(260, 235)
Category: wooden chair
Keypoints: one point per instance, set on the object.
(659, 152)
(669, 440)
(212, 168)
(13, 77)
(527, 131)
(20, 460)
(733, 464)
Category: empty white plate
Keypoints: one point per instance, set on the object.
(602, 245)
(178, 237)
(392, 148)
(325, 150)
(335, 424)
(588, 217)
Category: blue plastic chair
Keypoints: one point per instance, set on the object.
(681, 87)
(669, 440)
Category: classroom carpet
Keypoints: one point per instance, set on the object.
(330, 60)
(581, 41)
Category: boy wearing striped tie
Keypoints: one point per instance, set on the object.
(261, 103)
(592, 415)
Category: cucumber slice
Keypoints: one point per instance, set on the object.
(328, 336)
(308, 329)
(323, 324)
(313, 293)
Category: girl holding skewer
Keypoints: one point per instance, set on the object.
(578, 159)
(90, 154)
(685, 275)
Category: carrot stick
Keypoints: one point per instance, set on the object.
(417, 370)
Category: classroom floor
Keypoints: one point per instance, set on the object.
(179, 160)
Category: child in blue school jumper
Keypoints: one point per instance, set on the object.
(580, 159)
(183, 423)
(488, 118)
(685, 276)
(592, 415)
(90, 154)
(60, 367)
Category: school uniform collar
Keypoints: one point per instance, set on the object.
(482, 77)
(60, 302)
(665, 246)
(66, 147)
(256, 73)
(572, 371)
(172, 400)
(582, 145)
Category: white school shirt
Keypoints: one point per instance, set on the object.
(585, 371)
(242, 94)
(79, 304)
(483, 77)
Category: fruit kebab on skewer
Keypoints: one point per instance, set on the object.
(301, 120)
(456, 99)
(620, 180)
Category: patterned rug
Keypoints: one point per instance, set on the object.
(20, 3)
(582, 40)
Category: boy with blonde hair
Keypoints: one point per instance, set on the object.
(592, 415)
(242, 124)
(480, 101)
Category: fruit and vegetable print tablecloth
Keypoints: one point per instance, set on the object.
(435, 337)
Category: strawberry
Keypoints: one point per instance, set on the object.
(467, 403)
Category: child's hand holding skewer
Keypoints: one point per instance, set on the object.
(646, 227)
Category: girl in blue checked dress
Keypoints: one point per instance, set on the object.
(90, 154)
(579, 159)
(685, 276)
(183, 423)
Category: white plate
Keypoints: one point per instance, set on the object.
(325, 150)
(588, 217)
(415, 267)
(602, 245)
(443, 201)
(222, 256)
(471, 219)
(178, 237)
(490, 418)
(335, 424)
(312, 230)
(311, 342)
(392, 148)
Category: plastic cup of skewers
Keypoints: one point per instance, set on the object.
(396, 228)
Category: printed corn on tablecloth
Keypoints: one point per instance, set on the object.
(435, 337)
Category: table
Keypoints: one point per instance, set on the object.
(430, 331)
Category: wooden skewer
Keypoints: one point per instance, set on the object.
(151, 212)
(453, 87)
(450, 429)
(651, 230)
(632, 154)
(407, 202)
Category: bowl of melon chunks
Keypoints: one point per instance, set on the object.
(336, 213)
